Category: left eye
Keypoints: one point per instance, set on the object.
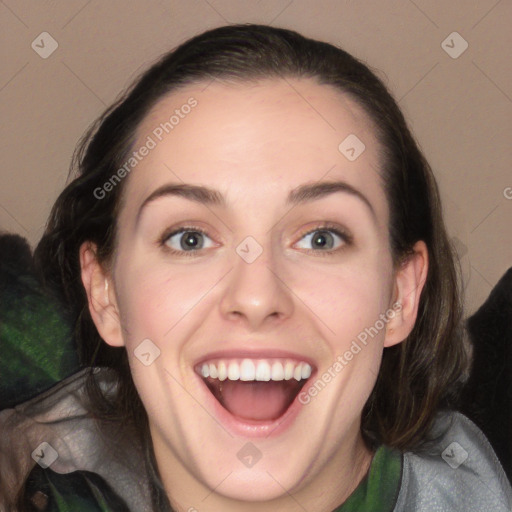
(323, 238)
(187, 240)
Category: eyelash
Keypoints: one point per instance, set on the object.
(344, 236)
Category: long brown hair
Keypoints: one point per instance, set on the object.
(418, 376)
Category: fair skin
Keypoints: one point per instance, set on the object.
(254, 144)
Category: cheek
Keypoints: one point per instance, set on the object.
(347, 299)
(152, 298)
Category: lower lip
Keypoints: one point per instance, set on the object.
(255, 429)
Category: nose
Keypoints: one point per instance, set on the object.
(257, 292)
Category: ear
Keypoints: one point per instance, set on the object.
(101, 297)
(409, 281)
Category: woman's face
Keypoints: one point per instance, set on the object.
(253, 243)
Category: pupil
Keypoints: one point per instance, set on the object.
(190, 240)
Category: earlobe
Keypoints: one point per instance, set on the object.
(409, 282)
(100, 296)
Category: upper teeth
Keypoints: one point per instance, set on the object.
(260, 370)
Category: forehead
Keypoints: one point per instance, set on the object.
(257, 139)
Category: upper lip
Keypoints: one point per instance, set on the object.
(259, 353)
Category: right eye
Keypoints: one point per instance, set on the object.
(186, 239)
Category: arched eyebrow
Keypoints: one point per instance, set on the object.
(313, 191)
(197, 193)
(212, 197)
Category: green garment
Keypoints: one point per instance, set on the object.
(37, 350)
(378, 491)
(79, 491)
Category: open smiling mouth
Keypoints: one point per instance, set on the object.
(255, 391)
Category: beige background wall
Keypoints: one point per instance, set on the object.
(460, 109)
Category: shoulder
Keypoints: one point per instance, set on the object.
(456, 470)
(56, 431)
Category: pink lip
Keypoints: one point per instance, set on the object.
(255, 354)
(255, 429)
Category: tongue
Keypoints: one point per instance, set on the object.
(256, 400)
